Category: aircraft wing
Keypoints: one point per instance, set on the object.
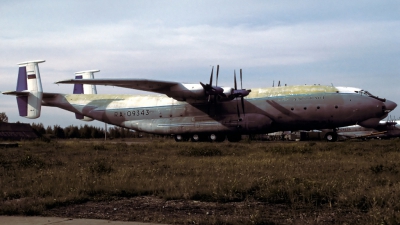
(176, 90)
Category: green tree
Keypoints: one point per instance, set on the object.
(74, 132)
(85, 132)
(49, 130)
(3, 117)
(39, 128)
(58, 131)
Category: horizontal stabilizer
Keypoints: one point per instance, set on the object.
(17, 93)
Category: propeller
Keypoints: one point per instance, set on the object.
(239, 93)
(211, 90)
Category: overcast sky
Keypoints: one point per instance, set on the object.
(344, 43)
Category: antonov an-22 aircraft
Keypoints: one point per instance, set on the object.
(202, 112)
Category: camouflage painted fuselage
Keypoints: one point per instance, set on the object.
(266, 110)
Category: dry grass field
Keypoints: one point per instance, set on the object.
(162, 181)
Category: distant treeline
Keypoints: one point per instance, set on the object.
(86, 132)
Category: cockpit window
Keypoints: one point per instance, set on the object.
(363, 92)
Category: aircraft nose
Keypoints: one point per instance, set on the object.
(389, 105)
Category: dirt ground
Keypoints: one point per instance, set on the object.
(153, 209)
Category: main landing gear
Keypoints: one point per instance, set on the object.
(211, 137)
(331, 136)
(181, 138)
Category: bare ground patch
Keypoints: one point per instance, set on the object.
(153, 209)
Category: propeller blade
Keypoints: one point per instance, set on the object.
(211, 77)
(241, 98)
(241, 83)
(234, 76)
(216, 81)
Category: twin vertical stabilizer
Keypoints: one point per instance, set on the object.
(29, 82)
(84, 89)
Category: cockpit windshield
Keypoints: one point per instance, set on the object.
(364, 92)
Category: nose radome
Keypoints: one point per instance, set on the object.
(389, 105)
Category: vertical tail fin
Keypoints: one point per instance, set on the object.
(84, 89)
(29, 81)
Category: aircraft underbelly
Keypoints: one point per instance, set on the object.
(201, 124)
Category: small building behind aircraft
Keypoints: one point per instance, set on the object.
(17, 131)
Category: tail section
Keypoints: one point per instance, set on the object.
(29, 89)
(84, 89)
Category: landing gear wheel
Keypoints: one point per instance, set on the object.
(331, 137)
(212, 137)
(181, 138)
(195, 138)
(216, 137)
(234, 137)
(178, 138)
(198, 137)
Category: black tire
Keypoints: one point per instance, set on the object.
(331, 136)
(181, 138)
(212, 137)
(216, 137)
(199, 137)
(195, 138)
(178, 138)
